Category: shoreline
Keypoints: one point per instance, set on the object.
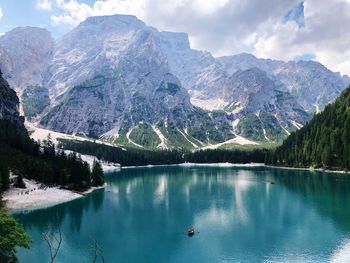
(227, 164)
(36, 196)
(308, 169)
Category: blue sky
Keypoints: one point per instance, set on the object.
(296, 14)
(23, 13)
(277, 29)
(26, 13)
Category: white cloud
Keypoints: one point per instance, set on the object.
(75, 12)
(44, 4)
(219, 25)
(226, 27)
(1, 13)
(324, 35)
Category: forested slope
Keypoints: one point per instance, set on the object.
(137, 157)
(25, 158)
(323, 142)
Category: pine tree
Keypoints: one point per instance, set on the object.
(19, 183)
(97, 174)
(4, 178)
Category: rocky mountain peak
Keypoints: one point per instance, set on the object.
(25, 53)
(33, 40)
(105, 26)
(175, 40)
(129, 20)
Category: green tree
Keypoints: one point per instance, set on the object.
(4, 178)
(12, 235)
(19, 183)
(97, 175)
(326, 156)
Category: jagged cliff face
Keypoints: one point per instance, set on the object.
(9, 104)
(119, 86)
(116, 78)
(259, 108)
(197, 70)
(311, 83)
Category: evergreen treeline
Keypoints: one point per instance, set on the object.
(129, 157)
(323, 142)
(135, 157)
(41, 162)
(230, 156)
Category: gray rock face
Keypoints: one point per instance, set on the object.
(264, 111)
(25, 53)
(115, 77)
(313, 85)
(97, 43)
(197, 70)
(108, 86)
(9, 104)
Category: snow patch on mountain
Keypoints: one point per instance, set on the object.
(285, 130)
(163, 143)
(184, 135)
(235, 123)
(209, 104)
(129, 140)
(296, 124)
(265, 135)
(114, 133)
(41, 134)
(237, 140)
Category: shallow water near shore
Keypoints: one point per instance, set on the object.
(238, 214)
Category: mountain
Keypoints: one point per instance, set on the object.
(26, 158)
(197, 70)
(21, 157)
(9, 105)
(119, 86)
(323, 142)
(115, 78)
(259, 108)
(34, 100)
(25, 54)
(312, 84)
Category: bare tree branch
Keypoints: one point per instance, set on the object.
(54, 242)
(98, 251)
(49, 237)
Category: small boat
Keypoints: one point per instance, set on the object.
(190, 232)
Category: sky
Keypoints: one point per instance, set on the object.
(276, 29)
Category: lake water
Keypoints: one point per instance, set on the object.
(238, 214)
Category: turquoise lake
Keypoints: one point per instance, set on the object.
(238, 214)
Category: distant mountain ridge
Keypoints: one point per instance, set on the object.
(116, 78)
